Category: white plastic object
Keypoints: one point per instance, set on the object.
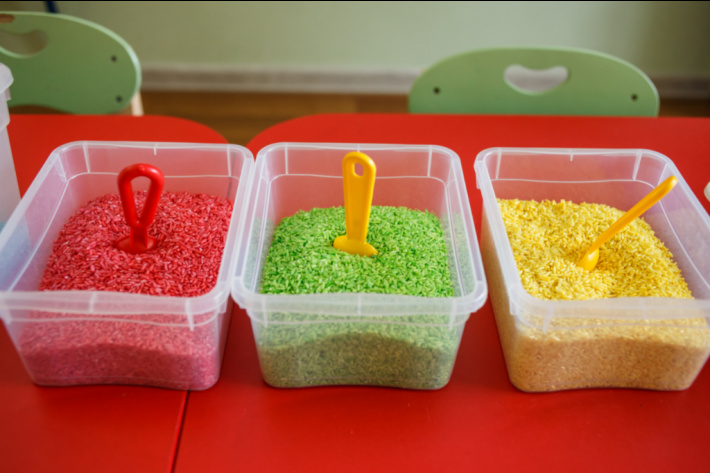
(9, 190)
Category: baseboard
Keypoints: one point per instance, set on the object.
(682, 87)
(278, 79)
(340, 80)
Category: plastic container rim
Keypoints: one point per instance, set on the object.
(331, 304)
(631, 308)
(103, 304)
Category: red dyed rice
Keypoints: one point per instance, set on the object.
(191, 230)
(157, 350)
(73, 352)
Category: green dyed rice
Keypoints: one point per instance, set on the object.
(411, 260)
(407, 351)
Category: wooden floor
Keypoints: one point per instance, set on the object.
(240, 116)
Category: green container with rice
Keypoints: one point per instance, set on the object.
(324, 317)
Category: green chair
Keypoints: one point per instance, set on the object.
(68, 64)
(534, 81)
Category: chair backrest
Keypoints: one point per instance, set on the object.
(534, 81)
(79, 67)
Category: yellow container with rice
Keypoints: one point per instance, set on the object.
(639, 319)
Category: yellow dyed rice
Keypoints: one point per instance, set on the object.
(547, 239)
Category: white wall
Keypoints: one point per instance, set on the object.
(385, 44)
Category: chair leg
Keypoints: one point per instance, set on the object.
(137, 105)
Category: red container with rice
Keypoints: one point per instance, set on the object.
(82, 311)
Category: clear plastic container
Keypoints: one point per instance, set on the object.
(634, 342)
(9, 190)
(358, 338)
(101, 337)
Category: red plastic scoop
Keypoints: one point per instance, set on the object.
(138, 241)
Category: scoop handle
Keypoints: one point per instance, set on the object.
(636, 211)
(358, 190)
(138, 240)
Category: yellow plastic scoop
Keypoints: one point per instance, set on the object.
(590, 258)
(358, 200)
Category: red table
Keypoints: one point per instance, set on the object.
(91, 428)
(479, 422)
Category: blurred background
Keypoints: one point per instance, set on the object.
(240, 67)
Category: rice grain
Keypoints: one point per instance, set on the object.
(547, 239)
